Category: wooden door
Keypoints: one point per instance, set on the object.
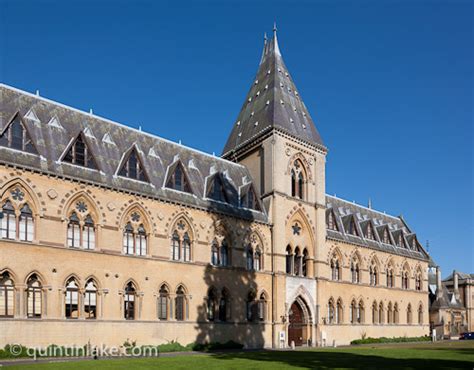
(295, 328)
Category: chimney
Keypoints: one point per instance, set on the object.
(456, 284)
(438, 282)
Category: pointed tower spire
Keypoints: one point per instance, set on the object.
(273, 103)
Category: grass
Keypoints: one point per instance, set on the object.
(446, 355)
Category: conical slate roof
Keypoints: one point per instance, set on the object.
(273, 102)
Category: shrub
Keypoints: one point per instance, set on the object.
(213, 346)
(369, 340)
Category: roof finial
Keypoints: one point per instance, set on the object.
(370, 204)
(276, 48)
(265, 38)
(275, 29)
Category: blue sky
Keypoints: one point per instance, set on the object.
(388, 83)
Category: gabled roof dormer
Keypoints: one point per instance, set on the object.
(350, 225)
(31, 115)
(79, 153)
(384, 234)
(368, 230)
(132, 166)
(54, 122)
(15, 135)
(216, 189)
(331, 222)
(248, 197)
(177, 178)
(399, 238)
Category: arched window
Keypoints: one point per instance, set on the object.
(409, 314)
(335, 268)
(339, 312)
(390, 279)
(73, 231)
(262, 307)
(8, 222)
(381, 320)
(72, 299)
(88, 233)
(257, 260)
(129, 301)
(305, 262)
(249, 258)
(7, 293)
(163, 299)
(353, 312)
(297, 271)
(298, 180)
(181, 241)
(178, 179)
(224, 306)
(373, 273)
(15, 135)
(389, 313)
(219, 253)
(251, 307)
(34, 297)
(26, 223)
(90, 300)
(132, 167)
(175, 247)
(395, 313)
(135, 238)
(361, 312)
(418, 281)
(331, 312)
(355, 271)
(180, 304)
(211, 304)
(375, 314)
(405, 279)
(420, 315)
(289, 260)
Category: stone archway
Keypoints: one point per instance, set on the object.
(299, 330)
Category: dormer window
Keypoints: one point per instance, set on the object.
(16, 136)
(132, 167)
(386, 236)
(370, 232)
(400, 241)
(249, 200)
(80, 154)
(178, 179)
(352, 230)
(331, 221)
(216, 189)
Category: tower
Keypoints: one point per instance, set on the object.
(275, 137)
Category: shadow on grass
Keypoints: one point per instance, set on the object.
(330, 359)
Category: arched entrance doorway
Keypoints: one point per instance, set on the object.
(297, 325)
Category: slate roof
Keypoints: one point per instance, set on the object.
(344, 211)
(461, 276)
(53, 126)
(273, 102)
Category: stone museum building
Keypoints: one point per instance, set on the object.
(110, 233)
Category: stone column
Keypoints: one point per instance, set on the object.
(438, 282)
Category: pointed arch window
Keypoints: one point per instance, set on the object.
(8, 222)
(331, 312)
(335, 268)
(395, 314)
(34, 297)
(178, 179)
(289, 260)
(175, 246)
(88, 233)
(420, 315)
(373, 274)
(186, 247)
(262, 307)
(390, 277)
(304, 266)
(74, 231)
(375, 313)
(405, 279)
(81, 230)
(389, 313)
(80, 154)
(353, 228)
(132, 167)
(409, 314)
(381, 313)
(339, 312)
(353, 312)
(298, 258)
(26, 224)
(216, 189)
(72, 299)
(16, 136)
(163, 300)
(355, 271)
(249, 258)
(251, 307)
(180, 304)
(129, 301)
(224, 306)
(298, 180)
(360, 312)
(135, 236)
(418, 281)
(220, 253)
(257, 260)
(7, 293)
(90, 300)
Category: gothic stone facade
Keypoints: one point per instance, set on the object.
(109, 233)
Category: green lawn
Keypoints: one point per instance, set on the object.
(396, 356)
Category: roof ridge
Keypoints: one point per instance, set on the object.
(361, 206)
(116, 123)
